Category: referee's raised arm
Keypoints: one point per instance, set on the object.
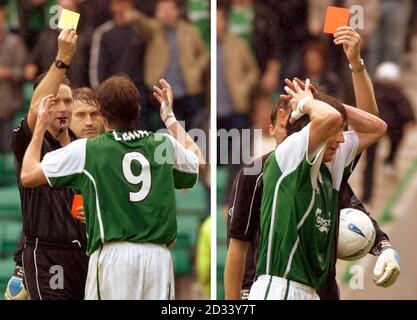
(67, 41)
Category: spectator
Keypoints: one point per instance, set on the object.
(12, 59)
(34, 16)
(198, 12)
(412, 28)
(259, 25)
(237, 75)
(387, 43)
(146, 6)
(234, 61)
(316, 69)
(203, 257)
(116, 49)
(292, 26)
(176, 52)
(93, 13)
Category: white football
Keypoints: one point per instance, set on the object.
(356, 234)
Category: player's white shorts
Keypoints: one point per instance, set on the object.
(276, 288)
(130, 271)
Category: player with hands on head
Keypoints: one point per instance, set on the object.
(387, 266)
(130, 226)
(296, 235)
(304, 95)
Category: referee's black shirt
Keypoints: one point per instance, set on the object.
(46, 211)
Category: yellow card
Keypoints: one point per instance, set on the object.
(68, 19)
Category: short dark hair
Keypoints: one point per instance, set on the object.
(40, 77)
(304, 120)
(118, 102)
(85, 95)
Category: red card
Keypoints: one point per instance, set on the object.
(335, 17)
(77, 202)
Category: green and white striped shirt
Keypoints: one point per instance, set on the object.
(127, 180)
(299, 208)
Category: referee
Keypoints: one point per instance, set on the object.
(54, 256)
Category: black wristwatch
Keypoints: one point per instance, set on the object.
(61, 64)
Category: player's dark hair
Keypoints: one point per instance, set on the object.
(282, 104)
(40, 77)
(118, 102)
(304, 120)
(85, 95)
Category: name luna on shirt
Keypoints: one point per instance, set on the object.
(130, 135)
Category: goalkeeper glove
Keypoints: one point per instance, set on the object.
(15, 289)
(387, 268)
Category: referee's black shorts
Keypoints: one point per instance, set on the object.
(54, 271)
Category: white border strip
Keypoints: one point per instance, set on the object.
(213, 148)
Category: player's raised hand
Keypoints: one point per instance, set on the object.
(299, 97)
(165, 98)
(301, 83)
(67, 42)
(351, 41)
(44, 110)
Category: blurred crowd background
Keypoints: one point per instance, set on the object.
(262, 42)
(168, 39)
